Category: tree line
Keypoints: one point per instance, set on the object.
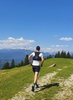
(62, 54)
(12, 65)
(48, 57)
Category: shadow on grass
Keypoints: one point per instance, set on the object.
(47, 86)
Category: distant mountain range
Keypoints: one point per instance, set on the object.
(16, 54)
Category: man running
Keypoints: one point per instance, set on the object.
(37, 58)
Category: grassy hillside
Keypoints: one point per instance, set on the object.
(14, 80)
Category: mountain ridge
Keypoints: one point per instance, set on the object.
(16, 54)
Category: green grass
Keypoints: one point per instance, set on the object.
(13, 80)
(50, 91)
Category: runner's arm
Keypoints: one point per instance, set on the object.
(42, 61)
(30, 60)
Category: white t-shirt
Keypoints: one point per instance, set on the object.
(35, 62)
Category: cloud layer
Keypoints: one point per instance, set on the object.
(15, 43)
(59, 45)
(66, 39)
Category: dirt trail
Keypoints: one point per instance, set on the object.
(65, 84)
(27, 90)
(66, 93)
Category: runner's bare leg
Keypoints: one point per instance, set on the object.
(35, 76)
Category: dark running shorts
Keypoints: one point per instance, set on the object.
(36, 68)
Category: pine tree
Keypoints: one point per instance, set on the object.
(68, 55)
(12, 64)
(49, 56)
(62, 54)
(6, 66)
(26, 61)
(22, 63)
(19, 65)
(58, 55)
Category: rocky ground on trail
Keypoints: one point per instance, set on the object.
(65, 84)
(27, 90)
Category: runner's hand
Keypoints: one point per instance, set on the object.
(41, 65)
(30, 64)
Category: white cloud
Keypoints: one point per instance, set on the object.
(53, 45)
(57, 45)
(54, 50)
(62, 45)
(66, 39)
(43, 50)
(49, 48)
(66, 45)
(27, 48)
(15, 43)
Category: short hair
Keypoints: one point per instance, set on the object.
(38, 48)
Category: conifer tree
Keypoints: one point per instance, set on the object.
(68, 55)
(58, 55)
(62, 54)
(49, 56)
(6, 66)
(12, 64)
(26, 61)
(22, 63)
(19, 65)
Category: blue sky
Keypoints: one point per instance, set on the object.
(25, 24)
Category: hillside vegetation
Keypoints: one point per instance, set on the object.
(56, 82)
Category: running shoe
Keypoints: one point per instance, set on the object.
(36, 86)
(33, 88)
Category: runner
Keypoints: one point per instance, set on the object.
(38, 60)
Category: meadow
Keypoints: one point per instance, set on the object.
(56, 82)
